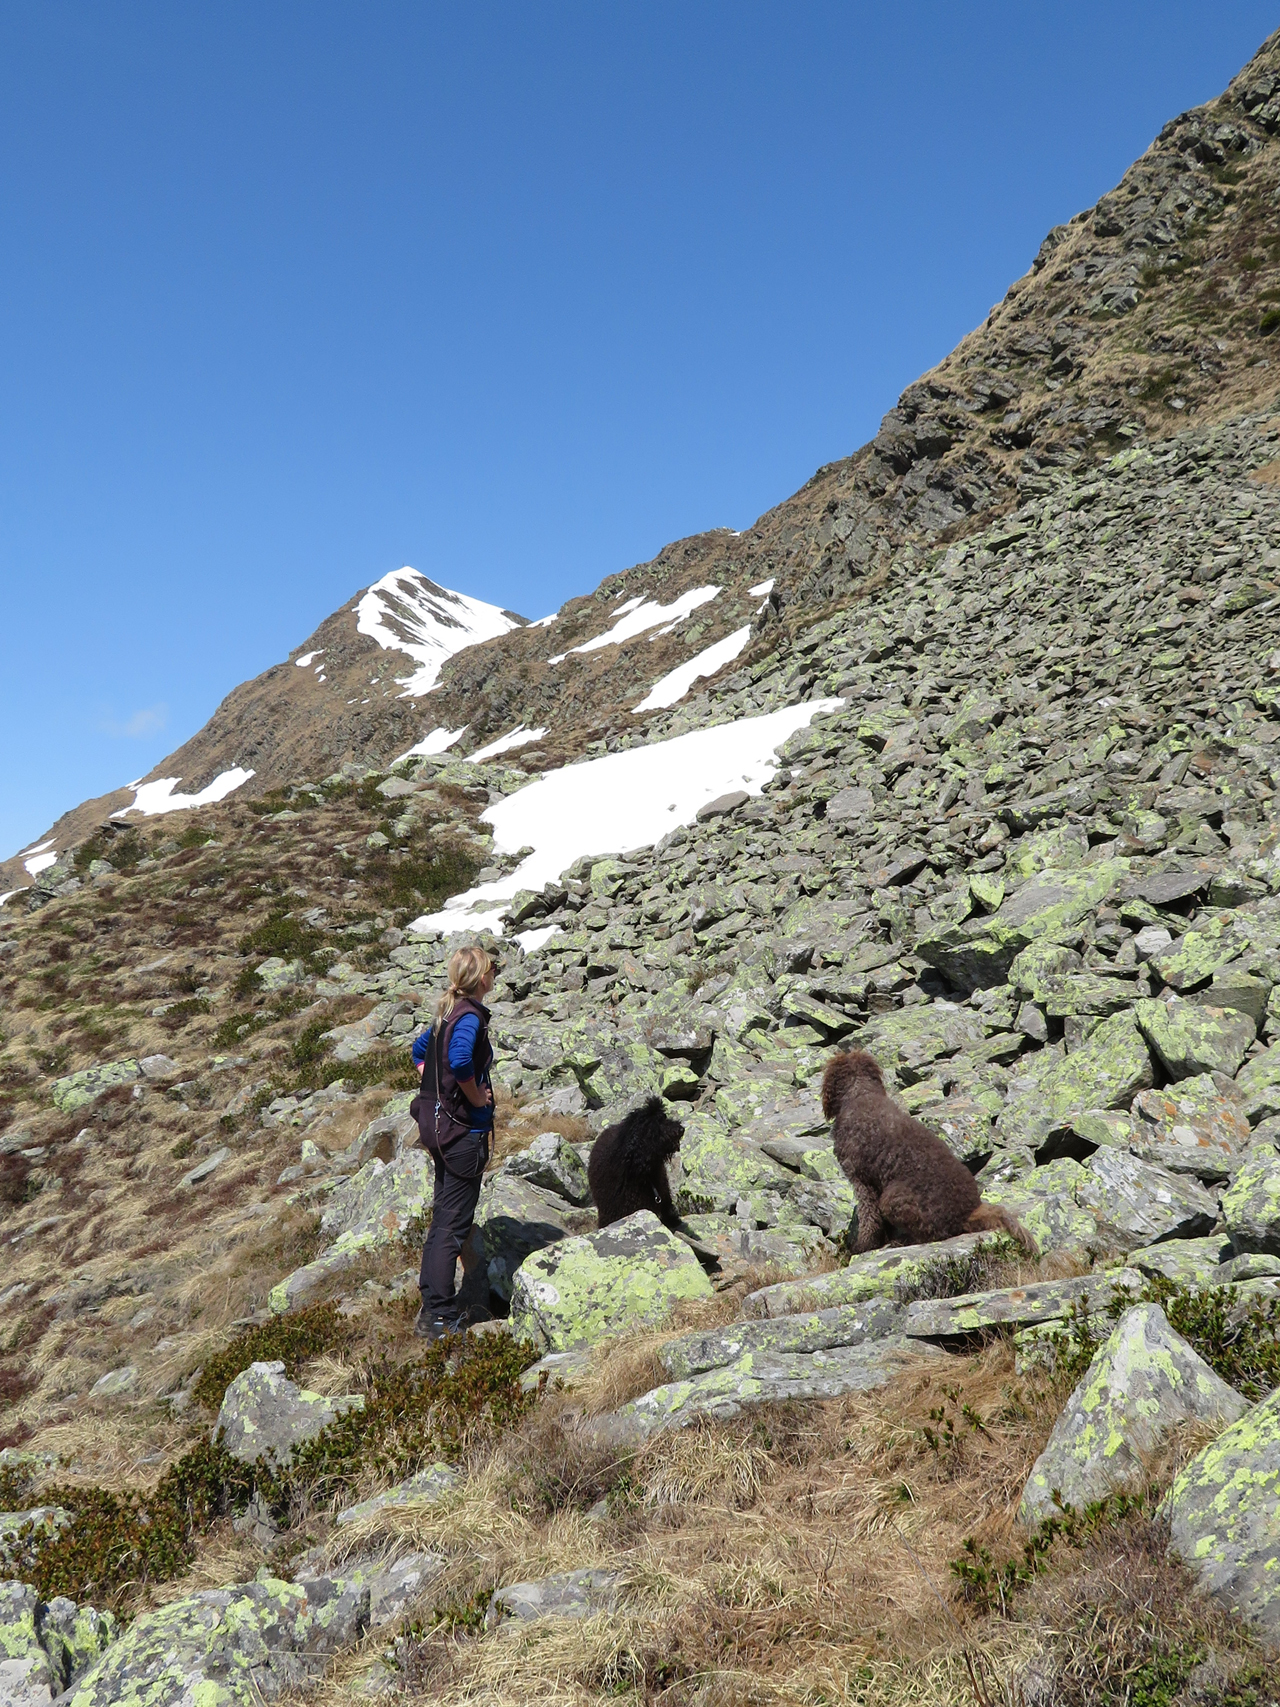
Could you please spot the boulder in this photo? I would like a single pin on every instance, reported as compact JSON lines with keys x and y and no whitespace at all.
{"x":514,"y":1217}
{"x":265,"y":1415}
{"x":46,"y":1647}
{"x":552,"y":1163}
{"x":391,"y":1586}
{"x":78,"y":1090}
{"x":1144,"y":1204}
{"x":1044,"y":1201}
{"x":1191,"y":1038}
{"x":1192,"y":1262}
{"x":1251,"y":1203}
{"x":20,"y":1531}
{"x":1013,"y":1306}
{"x":228,"y":1647}
{"x":1107,"y":1071}
{"x":719,"y":1167}
{"x":572,"y":1594}
{"x":1143,"y":1382}
{"x":817,"y":1330}
{"x":1224,"y":1515}
{"x":1191,"y":1127}
{"x":628,"y":1275}
{"x":900,"y":1272}
{"x":425,"y":1488}
{"x":762,"y":1377}
{"x":1259,"y":1085}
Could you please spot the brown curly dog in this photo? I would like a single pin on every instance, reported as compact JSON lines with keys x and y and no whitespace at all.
{"x":911,"y":1190}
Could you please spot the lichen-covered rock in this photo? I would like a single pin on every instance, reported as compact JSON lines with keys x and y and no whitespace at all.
{"x":571,"y":1594}
{"x":265,"y":1415}
{"x":901,"y":1272}
{"x":425,"y":1488}
{"x":1191,"y":1038}
{"x":760,"y":1377}
{"x":1107,"y":1071}
{"x":1044,"y":1201}
{"x":1224,"y":1516}
{"x":1251,"y":1203}
{"x":20,"y":1530}
{"x":719,"y":1167}
{"x":27,"y":1676}
{"x":1144,"y":1204}
{"x":630,"y":1274}
{"x":78,"y":1090}
{"x":1190,"y":1127}
{"x":1259,"y":1084}
{"x":552,"y":1163}
{"x":815,"y":1330}
{"x":515,"y":1217}
{"x":1192,"y":1262}
{"x":1013,"y":1306}
{"x":227,"y":1647}
{"x":1142,"y":1384}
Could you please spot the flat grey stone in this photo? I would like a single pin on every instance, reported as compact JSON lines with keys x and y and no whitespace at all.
{"x":1013,"y":1306}
{"x":1143,"y":1203}
{"x":210,"y":1165}
{"x":572,"y":1594}
{"x":159,"y":1067}
{"x":423,"y":1489}
{"x":113,"y":1382}
{"x":817,"y":1330}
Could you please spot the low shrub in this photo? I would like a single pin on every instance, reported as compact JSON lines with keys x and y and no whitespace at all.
{"x":292,"y":1340}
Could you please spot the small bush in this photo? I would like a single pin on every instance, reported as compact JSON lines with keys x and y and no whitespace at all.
{"x":1269,"y":322}
{"x":283,"y":935}
{"x":292,"y":1340}
{"x":419,"y":878}
{"x":1241,"y":1346}
{"x":991,"y":1587}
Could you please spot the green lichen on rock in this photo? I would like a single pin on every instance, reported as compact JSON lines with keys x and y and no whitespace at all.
{"x":582,"y":1290}
{"x":78,"y":1090}
{"x":1013,"y":1306}
{"x":1191,"y":1038}
{"x":1259,"y":1082}
{"x":1044,"y":1201}
{"x":902,"y":1272}
{"x":1251,"y":1204}
{"x":1107,"y":1071}
{"x":46,"y":1647}
{"x":1143,"y":1382}
{"x":227,"y":1647}
{"x":264,"y":1415}
{"x":1224,"y":1516}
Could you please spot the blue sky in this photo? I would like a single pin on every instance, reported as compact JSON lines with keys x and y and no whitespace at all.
{"x":293,"y":294}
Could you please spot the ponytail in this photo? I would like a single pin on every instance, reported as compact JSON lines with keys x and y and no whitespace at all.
{"x":468,"y":968}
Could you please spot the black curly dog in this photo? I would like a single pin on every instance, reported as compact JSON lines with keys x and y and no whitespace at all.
{"x":627,"y":1170}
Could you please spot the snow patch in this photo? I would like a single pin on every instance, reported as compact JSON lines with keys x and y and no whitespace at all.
{"x":623,"y":800}
{"x":546,"y":621}
{"x":639,"y":615}
{"x":435,"y":742}
{"x":10,"y":893}
{"x":40,"y":862}
{"x":306,"y":658}
{"x":558,"y":659}
{"x":405,"y":612}
{"x":155,"y":797}
{"x":761,"y":590}
{"x":519,"y":737}
{"x":677,"y":683}
{"x":532,"y":941}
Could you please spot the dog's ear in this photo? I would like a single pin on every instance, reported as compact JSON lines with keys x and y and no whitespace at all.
{"x":841,"y":1072}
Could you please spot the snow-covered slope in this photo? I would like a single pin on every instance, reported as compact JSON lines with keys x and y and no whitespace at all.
{"x":405,"y":612}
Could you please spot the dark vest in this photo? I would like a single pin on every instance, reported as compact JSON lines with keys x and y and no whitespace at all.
{"x":442,"y":1112}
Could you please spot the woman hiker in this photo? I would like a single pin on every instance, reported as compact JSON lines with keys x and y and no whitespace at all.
{"x":454,"y":1110}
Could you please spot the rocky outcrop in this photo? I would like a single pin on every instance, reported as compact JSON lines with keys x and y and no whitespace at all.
{"x":1223,"y":1512}
{"x":46,"y":1647}
{"x":1143,"y":1383}
{"x":264,"y":1415}
{"x":628,"y":1275}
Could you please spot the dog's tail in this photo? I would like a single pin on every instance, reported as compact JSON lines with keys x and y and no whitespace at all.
{"x":988,"y":1217}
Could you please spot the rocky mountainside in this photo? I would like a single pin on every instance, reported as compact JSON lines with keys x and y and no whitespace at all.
{"x":989,"y":788}
{"x":1156,"y":308}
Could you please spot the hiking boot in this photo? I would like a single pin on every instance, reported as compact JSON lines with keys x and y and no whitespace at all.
{"x":428,"y":1326}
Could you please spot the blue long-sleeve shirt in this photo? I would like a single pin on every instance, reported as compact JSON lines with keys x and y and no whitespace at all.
{"x":462,"y":1049}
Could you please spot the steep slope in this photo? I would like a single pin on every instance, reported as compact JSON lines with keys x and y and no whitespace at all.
{"x":997,"y":802}
{"x":1158,"y":306}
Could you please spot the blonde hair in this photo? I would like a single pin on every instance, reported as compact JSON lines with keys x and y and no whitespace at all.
{"x":468,"y":968}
